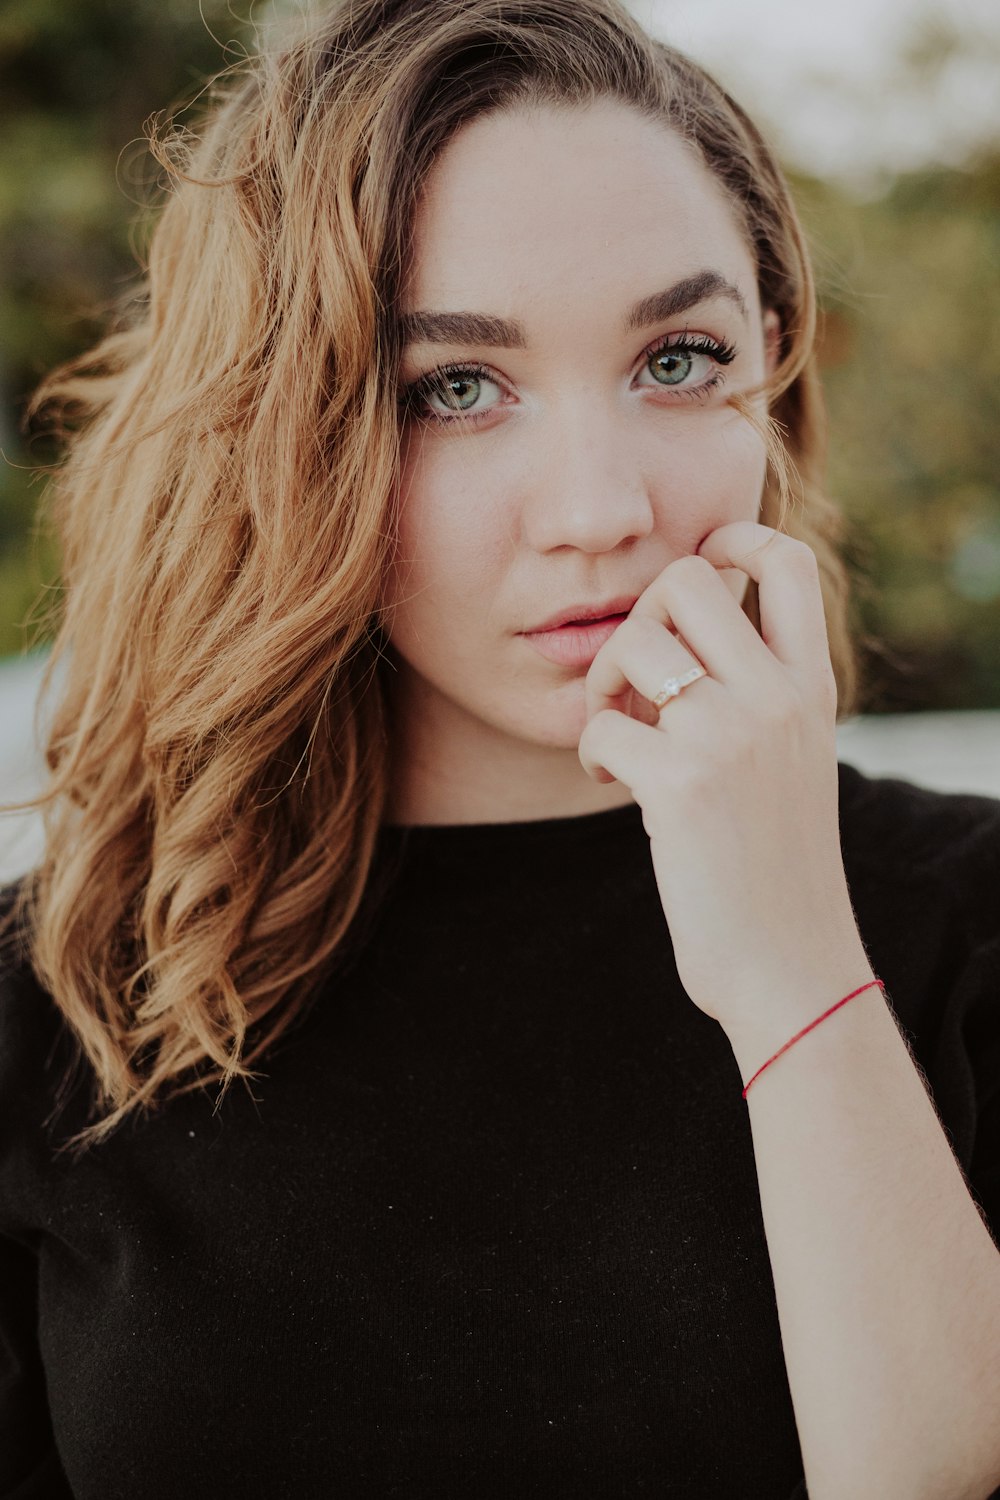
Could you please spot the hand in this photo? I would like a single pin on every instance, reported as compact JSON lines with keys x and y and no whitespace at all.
{"x":737,"y":779}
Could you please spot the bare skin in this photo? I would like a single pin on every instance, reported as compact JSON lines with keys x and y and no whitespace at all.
{"x":586,"y":472}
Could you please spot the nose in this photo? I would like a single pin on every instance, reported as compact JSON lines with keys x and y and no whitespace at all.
{"x":588,"y":490}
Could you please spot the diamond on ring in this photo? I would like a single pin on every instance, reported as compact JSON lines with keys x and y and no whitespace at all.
{"x":675,"y":685}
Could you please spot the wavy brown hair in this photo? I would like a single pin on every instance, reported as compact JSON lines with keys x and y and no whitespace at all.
{"x":219,"y":748}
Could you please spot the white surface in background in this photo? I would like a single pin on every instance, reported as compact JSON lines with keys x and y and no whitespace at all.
{"x":949,"y":752}
{"x":824,"y":79}
{"x":20,"y":763}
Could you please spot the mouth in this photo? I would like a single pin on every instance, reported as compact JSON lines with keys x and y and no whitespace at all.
{"x":581,"y":615}
{"x":613,"y":619}
{"x":576,"y":641}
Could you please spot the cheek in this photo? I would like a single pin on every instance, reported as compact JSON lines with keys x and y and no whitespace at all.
{"x":450,"y":545}
{"x":744,"y":456}
{"x":708,"y":476}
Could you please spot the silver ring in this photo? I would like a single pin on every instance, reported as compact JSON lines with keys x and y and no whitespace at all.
{"x":675,"y":685}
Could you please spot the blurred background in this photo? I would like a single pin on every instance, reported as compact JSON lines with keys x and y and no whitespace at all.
{"x":886,"y":114}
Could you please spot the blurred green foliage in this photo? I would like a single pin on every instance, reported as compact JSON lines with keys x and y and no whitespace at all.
{"x":78,"y":78}
{"x":908,"y":283}
{"x":910,"y":292}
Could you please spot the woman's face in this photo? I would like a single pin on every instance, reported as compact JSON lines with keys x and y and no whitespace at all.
{"x":566,"y":457}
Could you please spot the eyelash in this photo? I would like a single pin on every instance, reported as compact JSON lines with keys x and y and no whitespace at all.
{"x":722,"y":352}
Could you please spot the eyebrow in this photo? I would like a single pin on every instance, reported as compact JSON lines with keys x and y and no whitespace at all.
{"x":504,"y":333}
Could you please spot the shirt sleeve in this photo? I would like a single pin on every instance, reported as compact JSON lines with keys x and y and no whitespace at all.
{"x":964,"y":1071}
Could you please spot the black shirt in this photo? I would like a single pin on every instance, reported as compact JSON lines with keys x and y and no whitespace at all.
{"x":489,"y":1225}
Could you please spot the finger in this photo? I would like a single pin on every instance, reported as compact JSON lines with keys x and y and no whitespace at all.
{"x":616,"y":748}
{"x":641,"y":654}
{"x":704,"y":612}
{"x":792,"y":617}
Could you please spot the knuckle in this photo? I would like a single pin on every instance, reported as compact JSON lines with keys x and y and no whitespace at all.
{"x":607,"y":663}
{"x":632,"y":628}
{"x":801,"y":555}
{"x":599,"y":727}
{"x":690,"y":566}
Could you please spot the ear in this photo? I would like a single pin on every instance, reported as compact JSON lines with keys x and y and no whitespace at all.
{"x":772,"y":340}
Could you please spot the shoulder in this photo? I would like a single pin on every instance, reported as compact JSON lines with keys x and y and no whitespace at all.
{"x":923,"y":827}
{"x":944,"y":844}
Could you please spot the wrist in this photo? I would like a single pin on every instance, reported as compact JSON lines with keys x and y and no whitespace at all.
{"x":779,"y":1012}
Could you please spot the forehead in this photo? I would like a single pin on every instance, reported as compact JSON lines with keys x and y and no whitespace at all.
{"x":574,"y":201}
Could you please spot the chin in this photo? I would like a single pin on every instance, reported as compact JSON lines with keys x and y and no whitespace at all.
{"x":558,"y":720}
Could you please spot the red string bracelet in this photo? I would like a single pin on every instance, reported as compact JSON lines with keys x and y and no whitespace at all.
{"x":799,"y":1034}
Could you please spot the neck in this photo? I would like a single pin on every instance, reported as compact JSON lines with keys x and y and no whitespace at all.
{"x":449,"y":767}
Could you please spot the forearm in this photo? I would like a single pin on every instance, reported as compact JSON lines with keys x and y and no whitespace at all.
{"x":886,"y":1278}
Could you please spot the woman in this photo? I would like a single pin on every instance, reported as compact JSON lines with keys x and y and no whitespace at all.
{"x":454,"y":640}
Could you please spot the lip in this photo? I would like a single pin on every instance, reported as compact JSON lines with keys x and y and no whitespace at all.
{"x":573,"y":637}
{"x":578,"y":614}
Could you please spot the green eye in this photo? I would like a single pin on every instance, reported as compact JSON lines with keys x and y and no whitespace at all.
{"x":672,"y":366}
{"x":449,"y":392}
{"x":692,"y":364}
